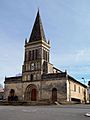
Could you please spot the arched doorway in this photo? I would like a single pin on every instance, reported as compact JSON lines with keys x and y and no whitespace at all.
{"x":30,"y":93}
{"x":33,"y":94}
{"x":54,"y":94}
{"x":12,"y":96}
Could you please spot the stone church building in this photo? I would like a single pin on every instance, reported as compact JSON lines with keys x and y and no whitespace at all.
{"x":40,"y":80}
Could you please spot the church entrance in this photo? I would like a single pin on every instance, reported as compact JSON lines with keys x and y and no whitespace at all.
{"x":54,"y":94}
{"x":34,"y":95}
{"x":30,"y":93}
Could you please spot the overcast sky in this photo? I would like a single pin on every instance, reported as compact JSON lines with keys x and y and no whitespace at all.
{"x":66,"y":24}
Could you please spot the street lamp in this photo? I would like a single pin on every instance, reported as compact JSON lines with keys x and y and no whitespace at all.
{"x":83,"y":80}
{"x":89,"y":90}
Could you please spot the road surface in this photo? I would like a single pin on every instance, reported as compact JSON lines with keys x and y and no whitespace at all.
{"x":57,"y":112}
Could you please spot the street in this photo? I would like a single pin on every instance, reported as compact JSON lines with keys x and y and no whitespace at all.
{"x":56,"y":112}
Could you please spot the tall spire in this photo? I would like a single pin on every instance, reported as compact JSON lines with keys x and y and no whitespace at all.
{"x":37,"y":31}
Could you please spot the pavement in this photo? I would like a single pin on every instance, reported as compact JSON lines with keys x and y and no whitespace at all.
{"x":54,"y":112}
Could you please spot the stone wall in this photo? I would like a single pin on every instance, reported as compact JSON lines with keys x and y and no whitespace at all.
{"x":44,"y":89}
{"x":47,"y":87}
{"x":63,"y":85}
{"x":16,"y":86}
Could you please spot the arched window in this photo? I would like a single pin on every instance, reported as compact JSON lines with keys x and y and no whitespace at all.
{"x":12,"y":92}
{"x":31,"y":77}
{"x":36,"y":54}
{"x":74,"y":88}
{"x":45,"y":67}
{"x":32,"y":54}
{"x":29,"y":55}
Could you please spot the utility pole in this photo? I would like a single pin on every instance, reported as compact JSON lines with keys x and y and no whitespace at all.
{"x":89,"y":90}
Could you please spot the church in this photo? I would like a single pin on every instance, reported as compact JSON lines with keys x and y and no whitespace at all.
{"x":40,"y":80}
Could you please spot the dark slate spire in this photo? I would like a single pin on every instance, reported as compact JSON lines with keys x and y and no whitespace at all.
{"x":37,"y":31}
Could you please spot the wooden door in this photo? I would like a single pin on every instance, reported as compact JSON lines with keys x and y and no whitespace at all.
{"x":34,"y":95}
{"x":54,"y":94}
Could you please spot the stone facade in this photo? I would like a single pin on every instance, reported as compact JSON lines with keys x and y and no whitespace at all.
{"x":76,"y":91}
{"x":40,"y":80}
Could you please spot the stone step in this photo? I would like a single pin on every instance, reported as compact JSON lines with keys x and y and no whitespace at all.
{"x":33,"y":103}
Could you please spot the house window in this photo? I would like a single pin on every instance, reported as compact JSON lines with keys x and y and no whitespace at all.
{"x":82,"y":90}
{"x":74,"y":88}
{"x":79,"y":89}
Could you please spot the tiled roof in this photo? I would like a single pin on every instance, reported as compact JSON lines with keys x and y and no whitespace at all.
{"x":16,"y":79}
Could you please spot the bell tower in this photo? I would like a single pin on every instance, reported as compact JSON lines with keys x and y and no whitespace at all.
{"x":37,"y":50}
